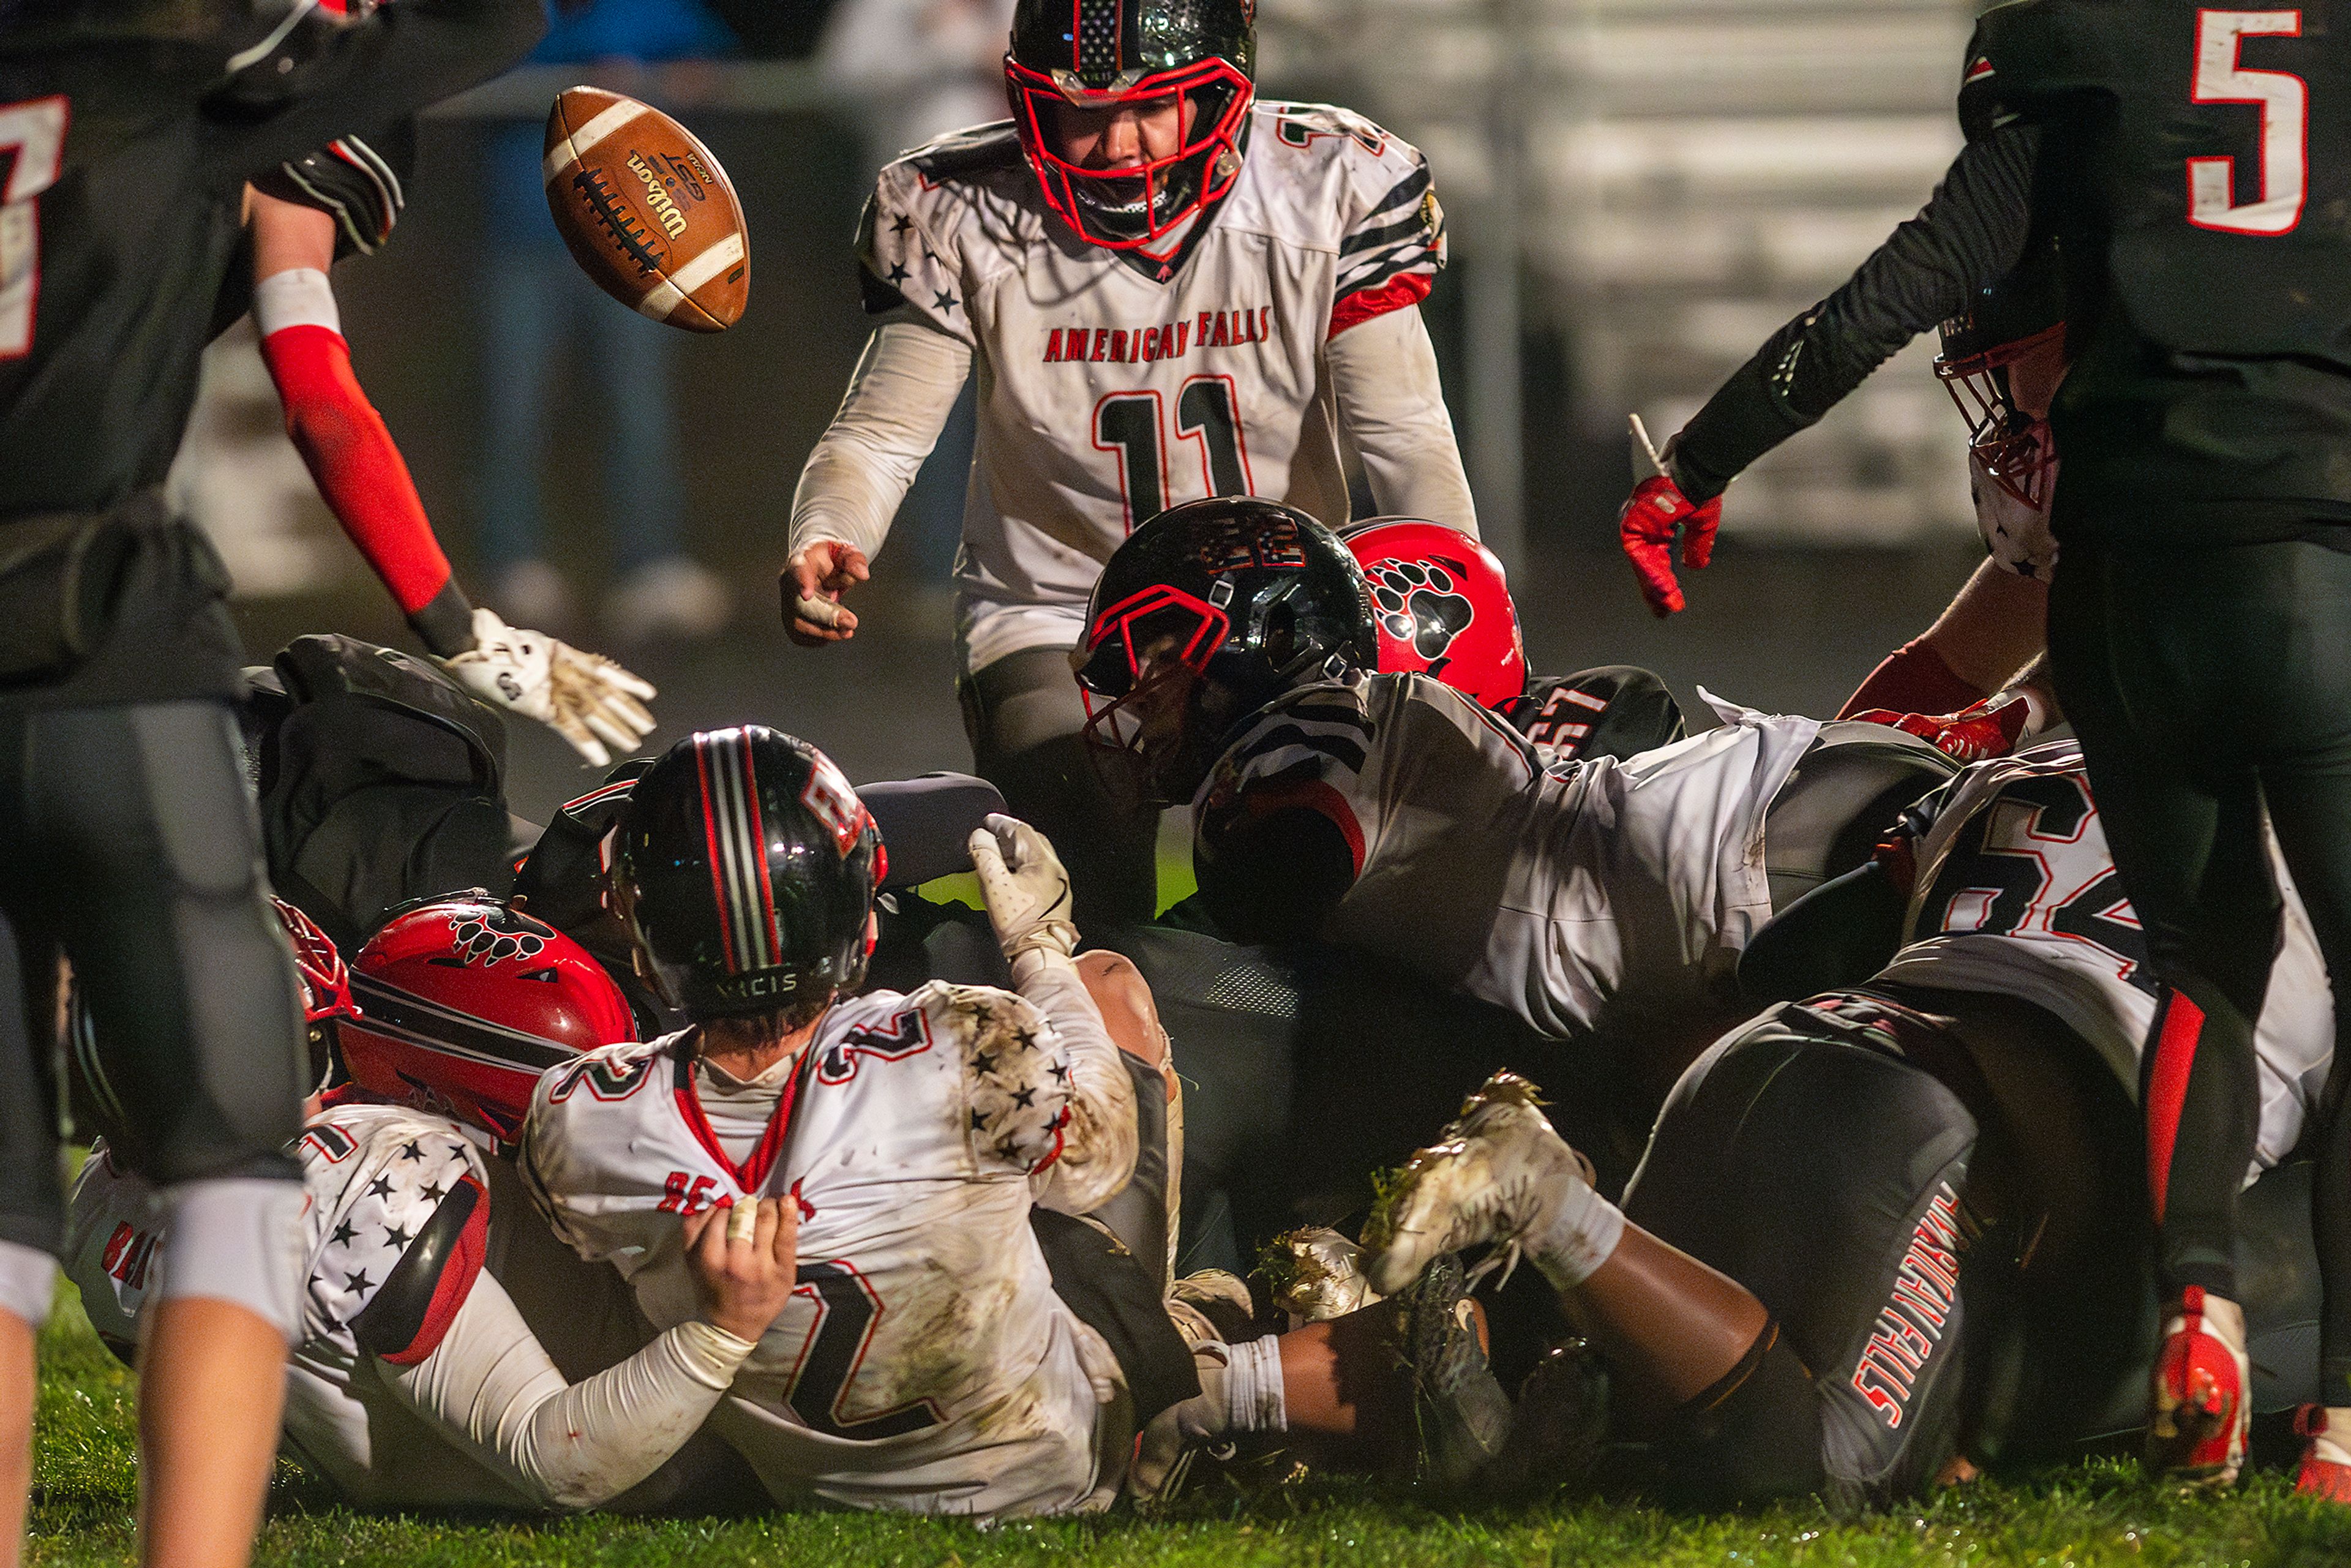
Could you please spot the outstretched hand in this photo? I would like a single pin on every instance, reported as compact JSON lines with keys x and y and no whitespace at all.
{"x":812,"y":581}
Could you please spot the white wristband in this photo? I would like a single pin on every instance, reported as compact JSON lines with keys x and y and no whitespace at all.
{"x":298,"y":298}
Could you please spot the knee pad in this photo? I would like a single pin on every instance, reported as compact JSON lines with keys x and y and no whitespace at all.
{"x":1755,"y":1435}
{"x":241,"y":1242}
{"x":29,"y":1282}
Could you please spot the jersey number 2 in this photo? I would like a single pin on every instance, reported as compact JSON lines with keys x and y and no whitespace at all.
{"x":1134,"y":426}
{"x":34,"y":132}
{"x":2284,"y":99}
{"x":847,"y":1312}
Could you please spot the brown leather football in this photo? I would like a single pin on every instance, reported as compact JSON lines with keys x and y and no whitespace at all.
{"x":647,"y":211}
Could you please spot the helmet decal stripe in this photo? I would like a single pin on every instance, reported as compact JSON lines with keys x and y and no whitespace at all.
{"x":764,"y":918}
{"x":738,"y":854}
{"x":702,"y":746}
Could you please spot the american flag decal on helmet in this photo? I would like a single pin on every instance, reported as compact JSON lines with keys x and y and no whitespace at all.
{"x":739,"y":850}
{"x":1094,"y":41}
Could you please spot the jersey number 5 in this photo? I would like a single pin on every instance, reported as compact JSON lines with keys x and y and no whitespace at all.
{"x":34,"y":132}
{"x":1134,"y":426}
{"x":2284,"y":99}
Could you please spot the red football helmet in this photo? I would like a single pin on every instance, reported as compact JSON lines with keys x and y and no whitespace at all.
{"x":1443,"y":606}
{"x":466,"y":1002}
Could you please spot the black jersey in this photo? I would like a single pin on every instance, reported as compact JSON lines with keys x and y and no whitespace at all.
{"x":128,"y":130}
{"x":2196,"y":165}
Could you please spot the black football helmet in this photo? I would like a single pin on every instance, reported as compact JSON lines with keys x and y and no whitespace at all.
{"x":1208,"y":612}
{"x":1101,"y":54}
{"x":2022,"y":313}
{"x":745,"y":868}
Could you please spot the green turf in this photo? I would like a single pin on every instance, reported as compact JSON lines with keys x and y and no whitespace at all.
{"x":2096,"y":1514}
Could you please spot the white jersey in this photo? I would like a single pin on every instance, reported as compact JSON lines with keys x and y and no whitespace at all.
{"x":377,"y":1176}
{"x":1112,"y":386}
{"x":1577,"y":894}
{"x":2017,"y":893}
{"x":924,"y":1362}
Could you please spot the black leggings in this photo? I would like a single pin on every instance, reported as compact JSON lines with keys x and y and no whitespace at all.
{"x":134,"y":850}
{"x":2208,"y":684}
{"x":1025,"y":717}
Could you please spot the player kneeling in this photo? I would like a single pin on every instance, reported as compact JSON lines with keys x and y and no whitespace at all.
{"x":436,"y":1308}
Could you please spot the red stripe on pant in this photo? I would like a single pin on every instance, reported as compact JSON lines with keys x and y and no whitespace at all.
{"x":2177,"y":1032}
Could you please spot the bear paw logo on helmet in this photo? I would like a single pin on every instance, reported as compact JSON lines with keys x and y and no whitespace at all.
{"x":1418,"y":603}
{"x":501,"y":934}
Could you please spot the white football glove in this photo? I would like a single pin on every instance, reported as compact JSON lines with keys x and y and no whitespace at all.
{"x":1025,"y":889}
{"x":586,"y":698}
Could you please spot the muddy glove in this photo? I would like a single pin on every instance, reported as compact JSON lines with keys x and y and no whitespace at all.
{"x":1026,"y":891}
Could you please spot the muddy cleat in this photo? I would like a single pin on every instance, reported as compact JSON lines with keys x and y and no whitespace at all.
{"x":1495,"y":1174}
{"x":2325,"y":1458}
{"x":1222,"y":1298}
{"x":1315,"y":1275}
{"x":2197,"y":1414}
{"x":1458,"y":1407}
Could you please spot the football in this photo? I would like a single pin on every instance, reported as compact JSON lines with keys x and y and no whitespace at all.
{"x":646,"y":210}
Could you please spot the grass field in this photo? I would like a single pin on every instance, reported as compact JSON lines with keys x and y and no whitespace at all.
{"x":2096,"y":1514}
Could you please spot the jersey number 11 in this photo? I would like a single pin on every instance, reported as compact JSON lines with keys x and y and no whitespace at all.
{"x":1134,"y":426}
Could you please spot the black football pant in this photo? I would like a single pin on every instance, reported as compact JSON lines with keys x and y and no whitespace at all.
{"x":1025,"y":718}
{"x":132,"y":850}
{"x":2207,"y":685}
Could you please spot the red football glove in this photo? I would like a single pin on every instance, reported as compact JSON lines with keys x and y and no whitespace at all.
{"x":1992,"y":728}
{"x":1646,"y":527}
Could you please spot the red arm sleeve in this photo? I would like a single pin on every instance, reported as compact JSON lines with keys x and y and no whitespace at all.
{"x":1913,"y":679}
{"x":358,"y":469}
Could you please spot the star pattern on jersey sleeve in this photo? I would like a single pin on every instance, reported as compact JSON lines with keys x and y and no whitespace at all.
{"x":899,"y":253}
{"x":390,"y":1193}
{"x":1015,"y":1078}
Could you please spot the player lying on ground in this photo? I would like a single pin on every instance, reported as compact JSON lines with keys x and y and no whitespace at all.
{"x":1168,"y":290}
{"x":1228,"y":657}
{"x":437,"y":1309}
{"x":301,"y":218}
{"x":1785,"y":1323}
{"x":933,"y":1362}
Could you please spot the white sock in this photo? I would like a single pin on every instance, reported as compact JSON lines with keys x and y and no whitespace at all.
{"x":1254,"y":1397}
{"x":1578,"y":1234}
{"x":29,"y":1282}
{"x":243,"y":1241}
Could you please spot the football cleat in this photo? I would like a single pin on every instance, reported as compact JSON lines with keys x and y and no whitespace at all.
{"x":2325,"y":1460}
{"x":1163,"y":1450}
{"x":1315,"y":1274}
{"x":2197,"y":1413}
{"x":1491,"y":1178}
{"x":1459,"y":1411}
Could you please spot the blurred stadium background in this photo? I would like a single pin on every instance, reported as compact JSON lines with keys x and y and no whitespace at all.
{"x":1639,"y":190}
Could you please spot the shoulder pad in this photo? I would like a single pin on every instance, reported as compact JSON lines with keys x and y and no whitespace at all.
{"x":405,"y":1320}
{"x":360,"y":182}
{"x":1016,"y":1073}
{"x":2018,"y":55}
{"x":906,"y":251}
{"x":982,"y":150}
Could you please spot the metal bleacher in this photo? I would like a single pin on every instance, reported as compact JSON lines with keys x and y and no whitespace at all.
{"x":1685,"y":175}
